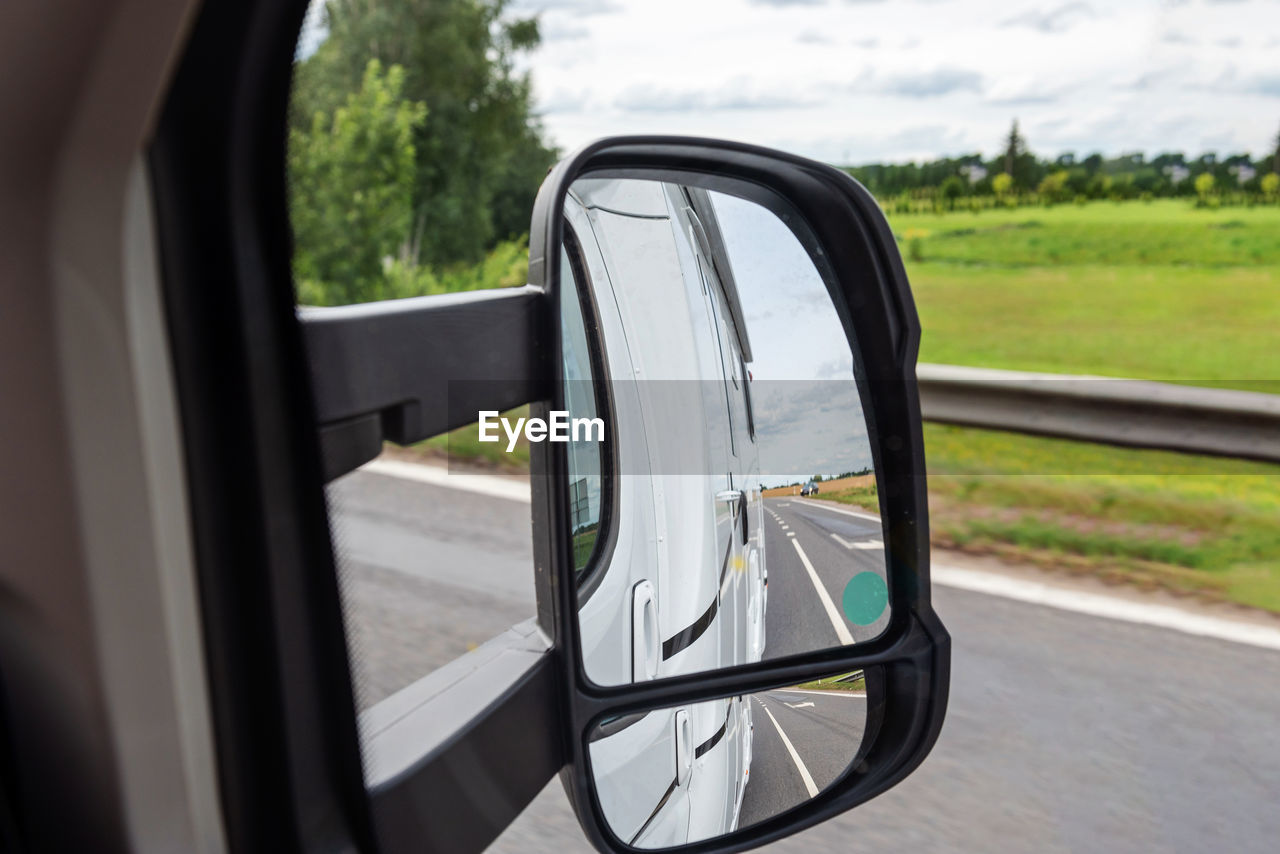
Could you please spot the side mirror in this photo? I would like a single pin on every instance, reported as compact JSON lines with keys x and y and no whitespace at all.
{"x":746,"y":651}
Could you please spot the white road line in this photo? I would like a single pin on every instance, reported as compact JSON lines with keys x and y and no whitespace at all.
{"x":842,"y":631}
{"x":1108,"y":607}
{"x":863,"y":545}
{"x":827,"y":506}
{"x":484,"y":484}
{"x":791,"y":533}
{"x":795,"y":757}
{"x":808,"y":704}
{"x":857,"y":695}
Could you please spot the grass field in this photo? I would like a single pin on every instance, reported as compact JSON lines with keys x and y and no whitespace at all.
{"x":1156,"y":290}
{"x":1189,"y":525}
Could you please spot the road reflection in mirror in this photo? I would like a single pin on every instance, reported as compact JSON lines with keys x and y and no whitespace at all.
{"x":689,"y":773}
{"x":734,"y":516}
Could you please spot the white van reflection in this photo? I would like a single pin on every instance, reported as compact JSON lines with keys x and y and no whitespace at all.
{"x":651,"y":255}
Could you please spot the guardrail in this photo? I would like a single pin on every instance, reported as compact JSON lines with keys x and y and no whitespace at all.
{"x":1135,"y":413}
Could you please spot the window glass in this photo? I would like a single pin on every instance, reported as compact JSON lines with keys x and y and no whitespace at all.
{"x":580,"y":404}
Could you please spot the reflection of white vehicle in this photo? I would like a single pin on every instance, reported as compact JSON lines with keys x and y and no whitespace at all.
{"x":652,"y":256}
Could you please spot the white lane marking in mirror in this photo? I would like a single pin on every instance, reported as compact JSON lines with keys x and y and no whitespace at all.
{"x":484,"y":484}
{"x":862,"y":545}
{"x":842,"y":631}
{"x":1108,"y":607}
{"x":856,"y":695}
{"x":795,"y":757}
{"x":826,"y":506}
{"x":806,"y":704}
{"x":791,"y":533}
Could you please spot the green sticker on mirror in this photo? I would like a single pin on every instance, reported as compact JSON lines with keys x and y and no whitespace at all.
{"x":865,"y":598}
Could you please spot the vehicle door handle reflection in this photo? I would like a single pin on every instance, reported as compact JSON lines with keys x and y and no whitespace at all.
{"x":730,"y":495}
{"x":738,"y":498}
{"x":646,"y":647}
{"x":684,"y":747}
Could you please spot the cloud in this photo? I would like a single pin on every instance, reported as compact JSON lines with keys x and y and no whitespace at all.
{"x":928,"y":84}
{"x":1149,"y":80}
{"x":1174,"y":37}
{"x":1264,"y":84}
{"x":557,"y":30}
{"x":1232,"y":42}
{"x":579,"y":8}
{"x":1025,"y":94}
{"x":789,"y":2}
{"x":735,"y":95}
{"x":564,"y":101}
{"x":868,"y":43}
{"x":814,"y":37}
{"x":1056,"y":20}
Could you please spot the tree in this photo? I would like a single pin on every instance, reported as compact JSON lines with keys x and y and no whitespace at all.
{"x":1054,"y":187}
{"x":1002,"y":184}
{"x":1270,"y":185}
{"x":479,"y":154}
{"x":1275,"y":158}
{"x":952,"y":188}
{"x":1014,"y":146}
{"x":1204,"y":185}
{"x":351,"y":184}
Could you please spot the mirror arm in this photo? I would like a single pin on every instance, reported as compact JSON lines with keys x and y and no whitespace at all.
{"x":443,"y":746}
{"x":408,"y":369}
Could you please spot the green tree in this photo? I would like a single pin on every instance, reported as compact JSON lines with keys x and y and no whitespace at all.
{"x":351,"y":174}
{"x":952,"y":188}
{"x":1014,"y":146}
{"x":1270,"y":185}
{"x":1204,"y":185}
{"x":479,"y":155}
{"x":1002,"y":184}
{"x":1055,"y":187}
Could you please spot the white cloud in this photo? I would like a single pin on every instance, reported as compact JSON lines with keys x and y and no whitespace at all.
{"x":894,"y":81}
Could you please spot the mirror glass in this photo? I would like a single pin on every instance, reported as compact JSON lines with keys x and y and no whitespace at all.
{"x":723,"y":498}
{"x":689,"y":773}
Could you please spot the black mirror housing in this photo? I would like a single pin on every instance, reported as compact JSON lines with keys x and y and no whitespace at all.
{"x":907,"y":667}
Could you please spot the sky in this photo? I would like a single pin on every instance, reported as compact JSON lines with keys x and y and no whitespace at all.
{"x":808,"y":416}
{"x":857,"y":81}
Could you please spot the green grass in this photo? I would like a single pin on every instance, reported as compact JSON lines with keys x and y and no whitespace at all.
{"x":1192,"y":525}
{"x":463,"y":445}
{"x":1156,"y":291}
{"x":835,"y":683}
{"x":1187,"y":524}
{"x":1165,"y":233}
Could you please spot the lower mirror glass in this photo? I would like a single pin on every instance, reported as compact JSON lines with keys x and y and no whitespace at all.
{"x":690,"y":773}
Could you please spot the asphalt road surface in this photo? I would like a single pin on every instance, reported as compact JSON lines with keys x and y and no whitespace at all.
{"x":1065,"y":732}
{"x":823,"y":730}
{"x":839,"y":542}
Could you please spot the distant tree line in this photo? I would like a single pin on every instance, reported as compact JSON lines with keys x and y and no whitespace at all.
{"x":1016,"y":175}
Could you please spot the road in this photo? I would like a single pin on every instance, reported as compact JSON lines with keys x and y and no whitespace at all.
{"x":823,"y":728}
{"x":1065,"y":732}
{"x":839,"y":542}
